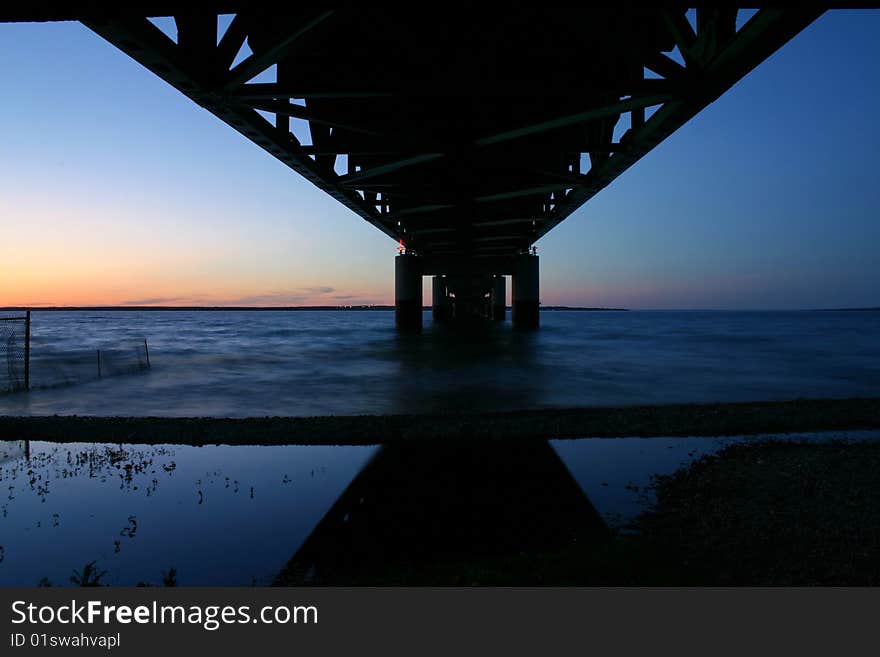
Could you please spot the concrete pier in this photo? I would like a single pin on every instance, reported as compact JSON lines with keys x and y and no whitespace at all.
{"x":408,"y":292}
{"x":441,"y":303}
{"x":526,"y":292}
{"x":498,"y":301}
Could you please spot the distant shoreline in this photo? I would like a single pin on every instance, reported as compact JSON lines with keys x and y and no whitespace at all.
{"x":843,"y":310}
{"x":249,"y":308}
{"x":386,"y":308}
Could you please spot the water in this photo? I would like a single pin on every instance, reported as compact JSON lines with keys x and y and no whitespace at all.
{"x":218,"y":515}
{"x":224,"y":515}
{"x":238,"y":515}
{"x":261,"y":363}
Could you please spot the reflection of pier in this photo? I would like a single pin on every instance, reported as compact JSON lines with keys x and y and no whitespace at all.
{"x":418,"y":503}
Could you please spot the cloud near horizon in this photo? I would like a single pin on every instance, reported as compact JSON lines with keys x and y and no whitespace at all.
{"x":313,"y":295}
{"x":155,"y":301}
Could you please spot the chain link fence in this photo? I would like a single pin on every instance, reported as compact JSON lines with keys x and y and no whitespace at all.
{"x":14,"y":353}
{"x":47,"y":366}
{"x":123,"y":358}
{"x":52,"y":367}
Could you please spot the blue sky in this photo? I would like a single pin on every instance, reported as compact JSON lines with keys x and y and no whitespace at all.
{"x":115,"y":188}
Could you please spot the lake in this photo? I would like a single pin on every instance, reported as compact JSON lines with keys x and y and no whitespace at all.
{"x":259,"y":363}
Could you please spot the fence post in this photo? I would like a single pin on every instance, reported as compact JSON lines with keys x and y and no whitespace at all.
{"x":27,"y":351}
{"x":99,"y":363}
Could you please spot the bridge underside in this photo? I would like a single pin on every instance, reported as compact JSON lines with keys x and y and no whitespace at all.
{"x":465,"y":135}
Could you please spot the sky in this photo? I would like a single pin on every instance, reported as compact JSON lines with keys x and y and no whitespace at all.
{"x":117,"y":189}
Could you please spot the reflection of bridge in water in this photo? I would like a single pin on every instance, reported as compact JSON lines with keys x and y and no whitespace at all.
{"x":423,"y":504}
{"x":464,"y":136}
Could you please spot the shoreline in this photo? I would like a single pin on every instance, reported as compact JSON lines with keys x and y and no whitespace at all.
{"x":713,"y":419}
{"x":352,"y":308}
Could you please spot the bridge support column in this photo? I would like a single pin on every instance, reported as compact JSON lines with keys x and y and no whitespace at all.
{"x":441,"y":304}
{"x":525,"y":292}
{"x":498,"y":298}
{"x":408,"y":292}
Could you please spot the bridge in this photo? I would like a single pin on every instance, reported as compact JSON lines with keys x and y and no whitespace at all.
{"x":463,"y":134}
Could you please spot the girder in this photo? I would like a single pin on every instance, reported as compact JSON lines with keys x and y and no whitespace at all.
{"x":466,"y":136}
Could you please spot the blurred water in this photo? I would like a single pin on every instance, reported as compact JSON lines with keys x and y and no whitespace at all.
{"x":258,"y":363}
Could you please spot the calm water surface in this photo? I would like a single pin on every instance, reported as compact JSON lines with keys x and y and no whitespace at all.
{"x":223,"y":515}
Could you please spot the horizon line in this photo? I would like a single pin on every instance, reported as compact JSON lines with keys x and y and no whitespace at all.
{"x":550,"y":307}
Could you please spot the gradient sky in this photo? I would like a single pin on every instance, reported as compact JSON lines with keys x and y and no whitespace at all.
{"x":117,"y":189}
